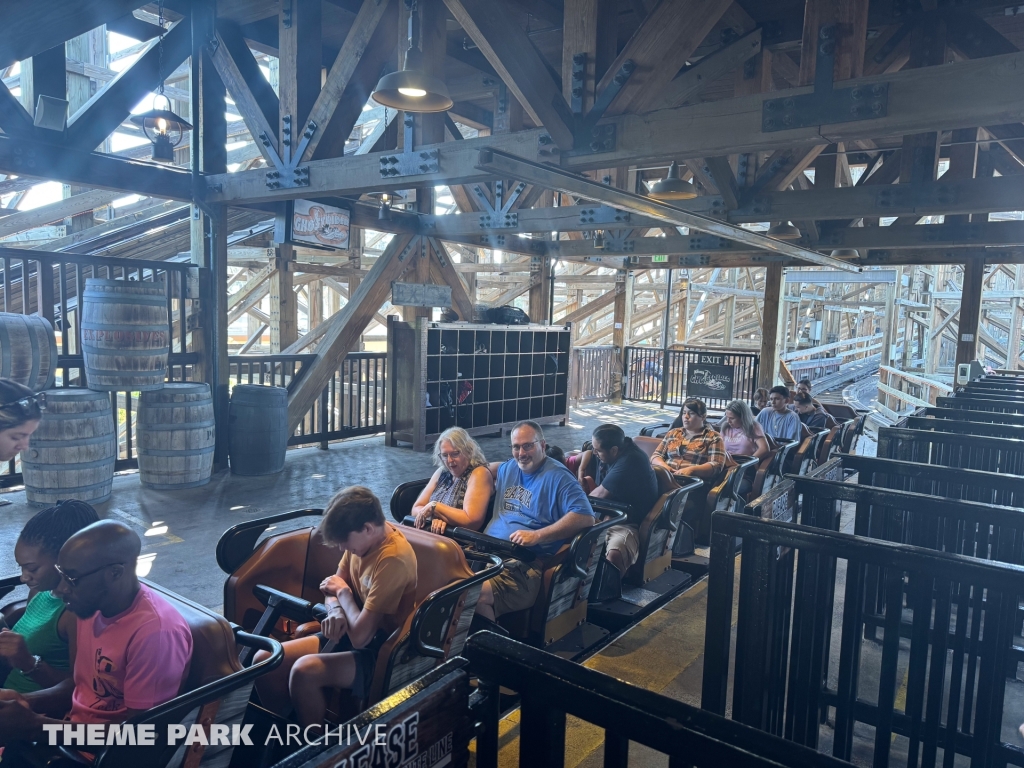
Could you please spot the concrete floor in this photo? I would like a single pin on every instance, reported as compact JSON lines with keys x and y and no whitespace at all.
{"x":180,"y":529}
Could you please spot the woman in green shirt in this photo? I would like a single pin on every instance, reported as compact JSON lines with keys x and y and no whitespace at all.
{"x":35,"y":653}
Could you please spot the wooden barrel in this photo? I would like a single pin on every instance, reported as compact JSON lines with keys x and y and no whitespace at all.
{"x":259,"y":429}
{"x":175,"y":435}
{"x":28,"y":350}
{"x":125,"y":335}
{"x":71,"y":455}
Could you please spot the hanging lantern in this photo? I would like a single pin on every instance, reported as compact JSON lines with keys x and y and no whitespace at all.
{"x":785,"y":231}
{"x":163,"y":128}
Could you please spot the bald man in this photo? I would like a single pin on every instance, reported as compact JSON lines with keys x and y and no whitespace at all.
{"x":133,"y":647}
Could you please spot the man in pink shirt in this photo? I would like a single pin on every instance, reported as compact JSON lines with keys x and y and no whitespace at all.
{"x":133,"y":647}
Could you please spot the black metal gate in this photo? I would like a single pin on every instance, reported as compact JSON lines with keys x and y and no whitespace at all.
{"x":660,"y":375}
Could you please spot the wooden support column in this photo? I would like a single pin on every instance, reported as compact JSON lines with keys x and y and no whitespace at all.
{"x":45,"y":74}
{"x":315,"y":290}
{"x":890,"y":323}
{"x":209,"y":231}
{"x":284,"y":309}
{"x":1013,"y":344}
{"x":419,"y":273}
{"x":773,"y":324}
{"x":970,"y":312}
{"x":90,"y":48}
{"x":579,"y":37}
{"x":299,"y":77}
{"x":622,"y":321}
{"x":540,"y":288}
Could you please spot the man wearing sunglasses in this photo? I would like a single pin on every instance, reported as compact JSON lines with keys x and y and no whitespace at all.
{"x":133,"y":647}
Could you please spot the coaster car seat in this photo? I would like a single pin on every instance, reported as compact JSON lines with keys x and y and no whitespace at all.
{"x":276,"y":588}
{"x":214,"y":685}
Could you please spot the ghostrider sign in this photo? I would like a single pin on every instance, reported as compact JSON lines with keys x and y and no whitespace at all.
{"x":320,"y":225}
{"x":710,"y":377}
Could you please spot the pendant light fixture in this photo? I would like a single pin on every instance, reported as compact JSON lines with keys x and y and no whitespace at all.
{"x":412,"y":89}
{"x":672,"y":187}
{"x":386,"y":201}
{"x":785,"y":231}
{"x":162,"y":127}
{"x":845,"y":253}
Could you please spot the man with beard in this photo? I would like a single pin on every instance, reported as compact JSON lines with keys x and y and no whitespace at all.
{"x":133,"y":647}
{"x":538,"y":505}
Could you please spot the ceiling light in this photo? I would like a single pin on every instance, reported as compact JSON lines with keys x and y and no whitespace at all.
{"x":785,"y":231}
{"x":412,"y":89}
{"x":845,"y":253}
{"x":672,"y":187}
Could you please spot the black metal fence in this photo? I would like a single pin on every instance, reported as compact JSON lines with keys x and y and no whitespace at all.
{"x":352,"y":403}
{"x":592,"y":373}
{"x":670,"y":376}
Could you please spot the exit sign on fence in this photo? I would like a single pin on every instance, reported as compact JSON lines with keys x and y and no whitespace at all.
{"x":659,"y":259}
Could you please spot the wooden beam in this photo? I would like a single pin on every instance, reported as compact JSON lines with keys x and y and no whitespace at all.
{"x":342,"y":331}
{"x":579,"y":36}
{"x":29,"y":28}
{"x":56,"y":211}
{"x":112,"y":104}
{"x":444,"y":273}
{"x":970,"y":312}
{"x":344,"y":68}
{"x":659,"y":48}
{"x":693,"y":80}
{"x":502,"y":40}
{"x":725,"y":180}
{"x":959,"y":95}
{"x":299,"y":39}
{"x":603,"y":301}
{"x":773,"y":325}
{"x":511,"y":166}
{"x":261,"y":125}
{"x":58,"y":163}
{"x":14,"y":118}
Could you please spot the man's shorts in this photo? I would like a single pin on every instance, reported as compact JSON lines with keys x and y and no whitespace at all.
{"x":516,"y":588}
{"x":626,"y":539}
{"x":365,"y":658}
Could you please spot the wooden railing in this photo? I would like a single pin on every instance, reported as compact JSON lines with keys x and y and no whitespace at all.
{"x":900,"y":392}
{"x":592,"y":373}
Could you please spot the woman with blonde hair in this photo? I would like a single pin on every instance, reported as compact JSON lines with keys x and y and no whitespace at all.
{"x":459,"y":492}
{"x":742,"y":434}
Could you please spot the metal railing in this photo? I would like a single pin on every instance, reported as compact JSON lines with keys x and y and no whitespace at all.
{"x":900,"y":393}
{"x":592,"y":373}
{"x":352,"y":403}
{"x":667,"y":376}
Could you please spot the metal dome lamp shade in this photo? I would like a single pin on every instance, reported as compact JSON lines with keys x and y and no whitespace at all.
{"x":672,"y":187}
{"x":785,"y":231}
{"x":412,"y":89}
{"x":163,"y":128}
{"x":845,"y":253}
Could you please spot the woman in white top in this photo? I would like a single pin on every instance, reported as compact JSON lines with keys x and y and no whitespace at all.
{"x":742,"y":434}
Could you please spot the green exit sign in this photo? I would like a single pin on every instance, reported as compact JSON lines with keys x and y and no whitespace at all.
{"x":659,"y":259}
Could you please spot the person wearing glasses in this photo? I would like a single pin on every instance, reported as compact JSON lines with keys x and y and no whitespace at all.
{"x":539,"y":505}
{"x":35,"y":653}
{"x":132,"y":647}
{"x":459,"y":492}
{"x":20,"y":412}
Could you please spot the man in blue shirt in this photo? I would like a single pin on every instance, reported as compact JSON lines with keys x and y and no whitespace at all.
{"x":777,"y":420}
{"x":539,"y":505}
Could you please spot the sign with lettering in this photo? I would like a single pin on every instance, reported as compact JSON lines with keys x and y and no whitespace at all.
{"x":710,"y":377}
{"x":320,"y":225}
{"x":421,"y":295}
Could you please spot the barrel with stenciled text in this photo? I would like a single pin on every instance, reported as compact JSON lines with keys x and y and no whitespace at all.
{"x":125,"y":335}
{"x":175,"y":436}
{"x":72,"y":453}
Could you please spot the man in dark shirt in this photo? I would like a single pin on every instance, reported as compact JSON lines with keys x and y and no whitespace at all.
{"x":804,"y":406}
{"x":623,"y":473}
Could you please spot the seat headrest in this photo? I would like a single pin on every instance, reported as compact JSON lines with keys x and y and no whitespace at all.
{"x":647,"y":444}
{"x":214,"y":654}
{"x":321,"y":561}
{"x":439,"y":561}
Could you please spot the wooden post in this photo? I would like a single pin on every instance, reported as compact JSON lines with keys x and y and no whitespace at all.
{"x":773,"y":322}
{"x":284,"y":311}
{"x":1013,"y":344}
{"x":622,"y":317}
{"x":421,"y":274}
{"x":579,"y":37}
{"x":315,"y":303}
{"x":970,"y":312}
{"x":209,"y":243}
{"x":90,"y":48}
{"x":540,"y":288}
{"x":891,"y":321}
